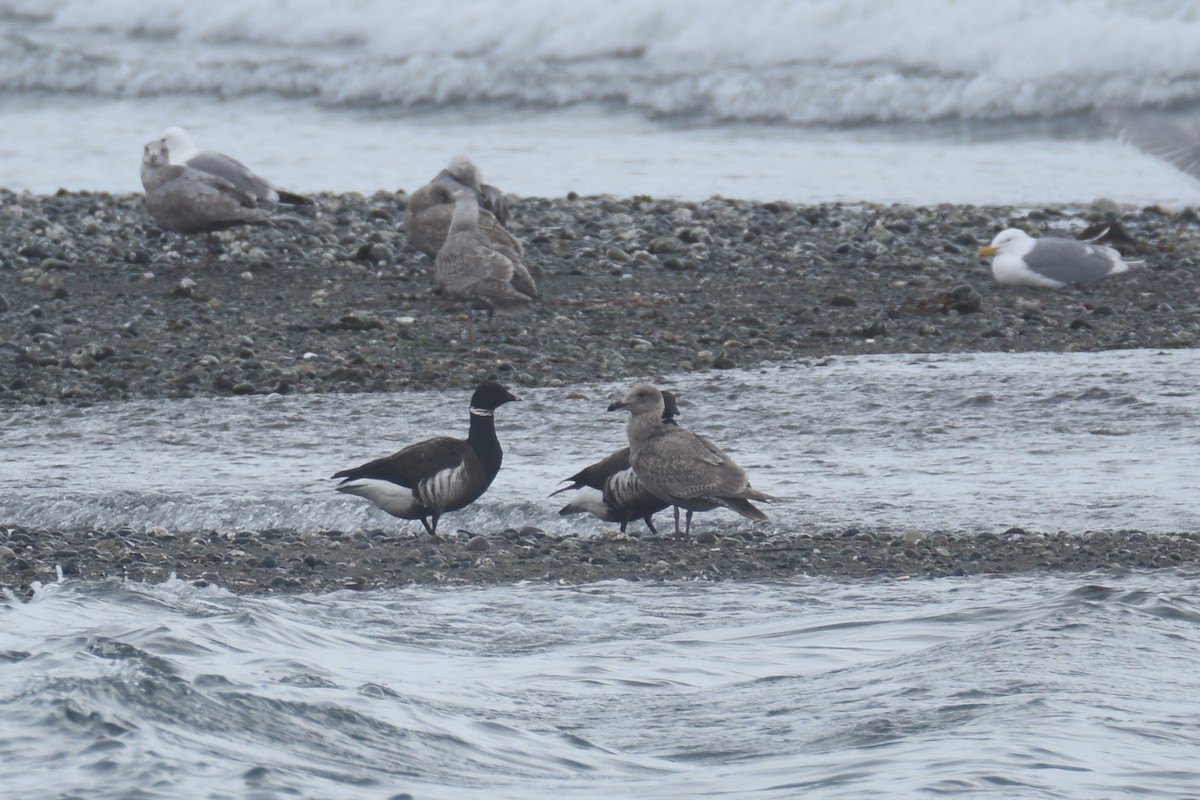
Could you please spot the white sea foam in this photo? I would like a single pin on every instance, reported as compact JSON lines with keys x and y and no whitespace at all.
{"x":822,"y":61}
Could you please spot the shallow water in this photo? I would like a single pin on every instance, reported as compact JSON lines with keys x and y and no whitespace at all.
{"x":1039,"y":686}
{"x":1034,"y":686}
{"x":953,"y":442}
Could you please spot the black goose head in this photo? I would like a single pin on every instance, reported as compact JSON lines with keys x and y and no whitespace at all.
{"x":490,"y":395}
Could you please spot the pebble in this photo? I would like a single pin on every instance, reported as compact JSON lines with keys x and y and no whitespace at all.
{"x":779,"y":259}
{"x":807,"y":283}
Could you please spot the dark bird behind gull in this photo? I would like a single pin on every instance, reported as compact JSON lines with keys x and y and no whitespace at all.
{"x":187,"y":201}
{"x":430,"y":208}
{"x":611,"y":491}
{"x":472,"y":268}
{"x":427,"y":479}
{"x":1051,"y":262}
{"x":184,"y":153}
{"x":681,"y":467}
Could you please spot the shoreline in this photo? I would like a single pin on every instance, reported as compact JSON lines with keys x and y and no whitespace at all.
{"x":287,"y":562}
{"x":96,"y":305}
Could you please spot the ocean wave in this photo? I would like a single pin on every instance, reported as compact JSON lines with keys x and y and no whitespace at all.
{"x":815,"y":62}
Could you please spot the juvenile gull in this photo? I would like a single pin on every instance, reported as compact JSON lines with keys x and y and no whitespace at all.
{"x":680,"y":467}
{"x":611,"y":491}
{"x":1050,"y":263}
{"x":472,"y":267}
{"x":184,"y":152}
{"x":427,"y":479}
{"x":427,"y":218}
{"x":186,"y":201}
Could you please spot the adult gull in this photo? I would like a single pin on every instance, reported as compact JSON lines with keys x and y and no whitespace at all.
{"x":1051,"y":262}
{"x":184,"y":152}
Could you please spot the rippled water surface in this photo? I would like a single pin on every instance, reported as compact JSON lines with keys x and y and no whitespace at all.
{"x":965,"y":442}
{"x":1042,"y":686}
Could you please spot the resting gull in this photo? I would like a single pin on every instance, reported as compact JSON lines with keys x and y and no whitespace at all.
{"x":1052,"y":262}
{"x":427,"y":219}
{"x":186,"y":201}
{"x":474,"y":268}
{"x":611,"y":491}
{"x":184,"y":152}
{"x":429,"y":478}
{"x":683,"y":468}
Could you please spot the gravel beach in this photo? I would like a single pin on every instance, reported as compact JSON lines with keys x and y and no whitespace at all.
{"x":97,"y":304}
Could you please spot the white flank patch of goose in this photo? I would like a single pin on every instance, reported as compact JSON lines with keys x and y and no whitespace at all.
{"x":429,"y":478}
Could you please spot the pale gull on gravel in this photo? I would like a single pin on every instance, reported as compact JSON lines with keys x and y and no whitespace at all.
{"x":1051,"y":262}
{"x":184,"y":152}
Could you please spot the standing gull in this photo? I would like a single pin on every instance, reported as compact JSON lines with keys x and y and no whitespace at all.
{"x":184,"y":152}
{"x":1050,"y":263}
{"x":427,"y":479}
{"x":427,"y":219}
{"x":683,"y":468}
{"x":474,"y":268}
{"x":187,"y":201}
{"x":611,"y":491}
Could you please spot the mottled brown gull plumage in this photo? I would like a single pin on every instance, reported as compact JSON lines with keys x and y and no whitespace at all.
{"x":611,"y":491}
{"x":187,"y":201}
{"x":472,"y":268}
{"x":683,"y":468}
{"x":430,"y":208}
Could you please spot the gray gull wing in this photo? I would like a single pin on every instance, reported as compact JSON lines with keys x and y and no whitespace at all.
{"x":1072,"y":261}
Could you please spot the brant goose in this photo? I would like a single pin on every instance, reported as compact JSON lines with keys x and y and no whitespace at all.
{"x":429,"y":478}
{"x":1050,"y":263}
{"x":473,"y":268}
{"x":186,"y":200}
{"x":682,"y":468}
{"x":183,"y":152}
{"x":611,"y":491}
{"x":427,"y":218}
